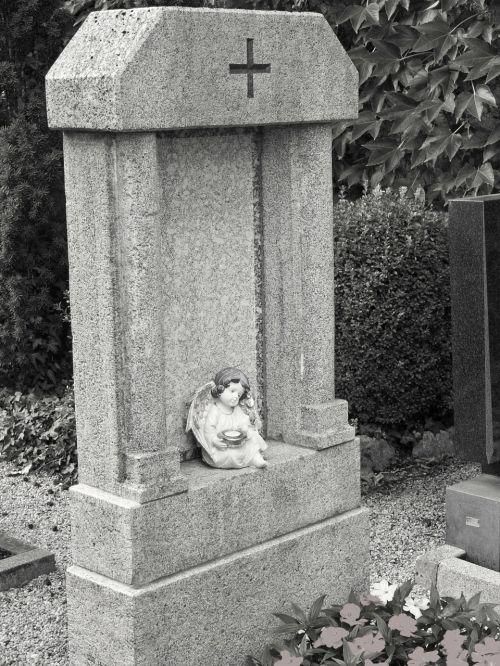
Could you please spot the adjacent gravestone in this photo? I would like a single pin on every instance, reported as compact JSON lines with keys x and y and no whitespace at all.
{"x":473,"y":506}
{"x":197,"y":150}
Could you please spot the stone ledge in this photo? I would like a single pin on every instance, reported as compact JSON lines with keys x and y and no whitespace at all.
{"x":223,"y":511}
{"x":25,"y":563}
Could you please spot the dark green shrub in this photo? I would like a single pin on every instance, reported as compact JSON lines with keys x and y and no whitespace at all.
{"x":37,"y":432}
{"x":34,"y":339}
{"x":393,"y":320}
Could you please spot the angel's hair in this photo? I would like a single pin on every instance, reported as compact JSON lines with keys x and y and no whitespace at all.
{"x":229,"y":376}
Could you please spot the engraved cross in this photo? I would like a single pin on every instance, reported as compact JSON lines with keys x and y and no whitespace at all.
{"x":249,"y":68}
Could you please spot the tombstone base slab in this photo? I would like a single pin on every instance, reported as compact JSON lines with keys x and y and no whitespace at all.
{"x":216,"y":613}
{"x":453,"y":575}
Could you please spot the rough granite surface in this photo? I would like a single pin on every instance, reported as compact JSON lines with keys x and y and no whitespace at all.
{"x":216,"y":613}
{"x":207,"y":258}
{"x":168,"y":68}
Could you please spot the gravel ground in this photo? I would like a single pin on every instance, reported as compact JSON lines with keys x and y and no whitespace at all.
{"x":407,"y":518}
{"x":33,"y":617}
{"x":407,"y":515}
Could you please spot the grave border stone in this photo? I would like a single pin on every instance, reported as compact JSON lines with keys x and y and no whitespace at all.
{"x":25,"y":563}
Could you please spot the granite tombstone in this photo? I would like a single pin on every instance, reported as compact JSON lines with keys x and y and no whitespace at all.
{"x":197,"y":148}
{"x":473,"y":506}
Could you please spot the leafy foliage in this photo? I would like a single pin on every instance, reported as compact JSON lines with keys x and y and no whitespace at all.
{"x":34,"y":341}
{"x":32,"y":34}
{"x":392,"y":309}
{"x":38,"y":432}
{"x":366,"y":630}
{"x":428,"y":72}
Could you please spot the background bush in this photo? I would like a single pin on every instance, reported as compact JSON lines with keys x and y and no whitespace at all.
{"x":34,"y":338}
{"x":392,"y":308}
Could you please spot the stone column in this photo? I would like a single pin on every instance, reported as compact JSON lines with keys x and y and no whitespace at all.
{"x":113,"y":211}
{"x":299,"y":283}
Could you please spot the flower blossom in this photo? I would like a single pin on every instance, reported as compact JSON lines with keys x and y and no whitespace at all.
{"x":349,"y":613}
{"x":452,"y":642}
{"x":288,"y":659}
{"x":415,"y":606}
{"x":419,"y":657}
{"x":367,"y":643}
{"x":383,"y":591}
{"x":403,"y":623}
{"x":331,"y":637}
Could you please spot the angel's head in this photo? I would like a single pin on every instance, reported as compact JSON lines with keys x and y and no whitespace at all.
{"x":231,"y":386}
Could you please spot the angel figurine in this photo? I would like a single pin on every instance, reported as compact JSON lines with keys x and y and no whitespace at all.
{"x":224,"y":420}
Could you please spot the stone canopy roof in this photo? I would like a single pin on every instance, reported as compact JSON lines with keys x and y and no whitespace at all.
{"x":163,"y":68}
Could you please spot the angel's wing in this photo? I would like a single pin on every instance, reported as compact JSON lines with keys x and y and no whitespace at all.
{"x":249,"y":406}
{"x":198,"y":409}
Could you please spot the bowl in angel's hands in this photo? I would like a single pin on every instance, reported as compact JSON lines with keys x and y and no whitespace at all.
{"x":233,"y":437}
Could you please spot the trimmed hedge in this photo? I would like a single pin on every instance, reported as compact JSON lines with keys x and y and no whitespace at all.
{"x":393,"y":318}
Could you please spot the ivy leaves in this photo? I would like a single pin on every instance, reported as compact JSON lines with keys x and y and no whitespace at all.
{"x":428,"y":97}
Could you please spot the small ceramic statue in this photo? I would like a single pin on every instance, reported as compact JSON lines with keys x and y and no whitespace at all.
{"x":224,"y":421}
